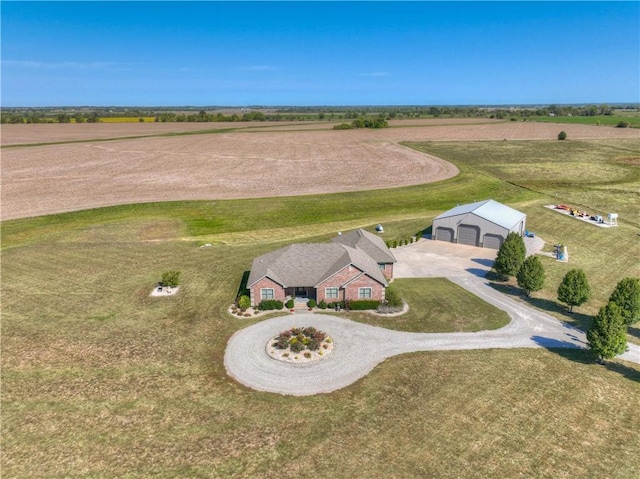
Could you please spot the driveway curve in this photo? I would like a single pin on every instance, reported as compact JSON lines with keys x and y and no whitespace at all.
{"x":358,"y":347}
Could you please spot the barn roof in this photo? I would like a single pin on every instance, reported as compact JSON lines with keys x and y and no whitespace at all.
{"x":490,"y":210}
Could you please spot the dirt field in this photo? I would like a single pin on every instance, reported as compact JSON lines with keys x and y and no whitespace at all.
{"x":54,"y":132}
{"x":239,"y":164}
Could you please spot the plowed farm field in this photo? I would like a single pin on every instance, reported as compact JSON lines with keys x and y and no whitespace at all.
{"x":253,"y":161}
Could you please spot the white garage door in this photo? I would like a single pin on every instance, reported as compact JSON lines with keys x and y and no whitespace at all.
{"x":492,"y":241}
{"x":468,"y":234}
{"x":444,"y":234}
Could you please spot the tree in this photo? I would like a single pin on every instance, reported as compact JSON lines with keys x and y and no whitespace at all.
{"x":531,"y":275}
{"x":510,"y":256}
{"x":608,"y":335}
{"x":171,"y":278}
{"x":574,"y":289}
{"x":392,"y":297}
{"x":562,"y":135}
{"x":244,"y":302}
{"x":627,"y":295}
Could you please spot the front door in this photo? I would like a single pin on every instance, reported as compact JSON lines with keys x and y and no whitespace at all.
{"x":301,"y":292}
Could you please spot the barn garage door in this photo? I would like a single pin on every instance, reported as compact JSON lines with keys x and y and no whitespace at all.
{"x":444,"y":234}
{"x":468,"y":234}
{"x":492,"y":241}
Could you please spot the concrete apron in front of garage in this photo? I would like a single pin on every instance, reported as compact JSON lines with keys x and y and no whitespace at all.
{"x":439,"y":259}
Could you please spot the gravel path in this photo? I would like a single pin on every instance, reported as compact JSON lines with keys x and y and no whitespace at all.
{"x":359,"y":347}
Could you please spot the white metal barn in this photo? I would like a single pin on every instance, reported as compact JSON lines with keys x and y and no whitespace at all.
{"x":485,"y":223}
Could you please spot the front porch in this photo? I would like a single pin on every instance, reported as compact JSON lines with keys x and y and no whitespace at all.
{"x":301,"y":293}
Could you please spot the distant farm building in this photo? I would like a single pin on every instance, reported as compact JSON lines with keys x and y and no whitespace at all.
{"x":485,"y":223}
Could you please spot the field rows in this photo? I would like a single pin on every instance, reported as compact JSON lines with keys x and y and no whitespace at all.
{"x":239,"y":164}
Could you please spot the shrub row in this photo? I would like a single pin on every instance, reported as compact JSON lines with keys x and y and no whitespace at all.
{"x":364,"y":304}
{"x":404,"y":242}
{"x":270,"y":304}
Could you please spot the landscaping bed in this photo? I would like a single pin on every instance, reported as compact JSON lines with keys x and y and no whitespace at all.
{"x":300,"y":345}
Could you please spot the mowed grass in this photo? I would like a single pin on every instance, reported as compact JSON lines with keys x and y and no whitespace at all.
{"x":597,"y":176}
{"x":436,"y":305}
{"x":101,"y":380}
{"x":631,"y":118}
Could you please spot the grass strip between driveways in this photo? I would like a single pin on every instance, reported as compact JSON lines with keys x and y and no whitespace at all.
{"x":436,"y":305}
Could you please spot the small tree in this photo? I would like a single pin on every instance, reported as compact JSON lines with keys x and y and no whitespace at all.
{"x":171,"y":278}
{"x":562,"y":135}
{"x":244,"y":302}
{"x":510,"y":256}
{"x":531,"y":275}
{"x":574,"y":289}
{"x":392,"y":297}
{"x":627,"y":295}
{"x":608,"y":335}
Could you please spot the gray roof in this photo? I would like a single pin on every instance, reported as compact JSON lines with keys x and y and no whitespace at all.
{"x":371,"y":244}
{"x":490,"y":210}
{"x":308,"y":264}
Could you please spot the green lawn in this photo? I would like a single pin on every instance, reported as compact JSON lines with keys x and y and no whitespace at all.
{"x":436,"y":305}
{"x":599,"y":176}
{"x":632,"y":118}
{"x":101,"y":380}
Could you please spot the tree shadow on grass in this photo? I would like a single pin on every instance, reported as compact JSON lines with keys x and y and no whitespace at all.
{"x":579,"y":320}
{"x":242,"y":289}
{"x":569,"y":351}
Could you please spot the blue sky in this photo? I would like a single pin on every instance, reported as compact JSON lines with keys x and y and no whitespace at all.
{"x":319,"y":53}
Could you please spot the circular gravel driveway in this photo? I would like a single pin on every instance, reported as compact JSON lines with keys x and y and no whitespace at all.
{"x":358,"y":347}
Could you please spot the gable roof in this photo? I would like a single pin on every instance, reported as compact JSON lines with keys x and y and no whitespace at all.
{"x":371,"y":244}
{"x":490,"y":210}
{"x":307,"y":265}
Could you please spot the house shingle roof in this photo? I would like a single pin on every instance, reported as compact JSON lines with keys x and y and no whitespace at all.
{"x":371,"y":244}
{"x":308,"y":264}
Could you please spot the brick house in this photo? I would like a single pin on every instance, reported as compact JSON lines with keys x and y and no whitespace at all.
{"x":353,"y":266}
{"x":371,"y":245}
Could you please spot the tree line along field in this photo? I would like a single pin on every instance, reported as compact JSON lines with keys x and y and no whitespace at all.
{"x":100,"y":380}
{"x":603,"y":113}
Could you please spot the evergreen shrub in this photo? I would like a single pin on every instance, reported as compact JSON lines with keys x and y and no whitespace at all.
{"x":364,"y":304}
{"x":270,"y":304}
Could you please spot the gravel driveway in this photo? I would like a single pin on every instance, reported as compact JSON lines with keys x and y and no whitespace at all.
{"x":358,"y":348}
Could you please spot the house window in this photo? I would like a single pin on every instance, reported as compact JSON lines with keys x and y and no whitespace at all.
{"x":267,"y":293}
{"x":331,"y":293}
{"x":381,"y":266}
{"x":364,"y":293}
